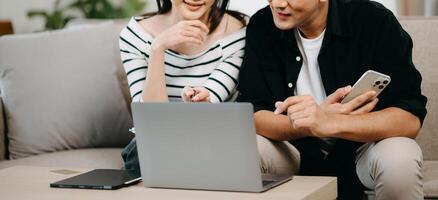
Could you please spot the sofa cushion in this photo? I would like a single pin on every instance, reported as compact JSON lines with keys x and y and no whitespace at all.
{"x":107,"y":158}
{"x":64,"y":90}
{"x":424,"y":33}
{"x":2,"y":132}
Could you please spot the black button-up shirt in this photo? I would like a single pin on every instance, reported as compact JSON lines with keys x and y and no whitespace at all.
{"x":360,"y":36}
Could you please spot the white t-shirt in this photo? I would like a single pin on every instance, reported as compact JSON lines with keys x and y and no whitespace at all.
{"x":309,"y":80}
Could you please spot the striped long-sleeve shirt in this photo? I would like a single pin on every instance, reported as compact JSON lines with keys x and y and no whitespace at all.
{"x":216,"y":68}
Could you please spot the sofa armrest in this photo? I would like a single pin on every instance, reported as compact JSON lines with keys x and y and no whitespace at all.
{"x":2,"y":132}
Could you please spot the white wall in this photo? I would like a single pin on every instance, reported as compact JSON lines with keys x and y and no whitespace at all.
{"x":248,"y":7}
{"x":16,"y":10}
{"x":431,"y":7}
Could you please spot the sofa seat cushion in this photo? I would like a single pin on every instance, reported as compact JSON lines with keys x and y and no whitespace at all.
{"x":108,"y":158}
{"x":430,"y":179}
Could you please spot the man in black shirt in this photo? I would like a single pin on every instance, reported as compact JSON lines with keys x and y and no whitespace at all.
{"x":300,"y":58}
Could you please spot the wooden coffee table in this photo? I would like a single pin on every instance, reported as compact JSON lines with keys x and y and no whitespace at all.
{"x":29,"y":182}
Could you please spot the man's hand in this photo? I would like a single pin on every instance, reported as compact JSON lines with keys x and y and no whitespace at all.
{"x":196,"y":94}
{"x":304,"y":113}
{"x":362,"y":104}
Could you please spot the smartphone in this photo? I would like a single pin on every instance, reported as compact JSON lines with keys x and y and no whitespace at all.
{"x":369,"y":81}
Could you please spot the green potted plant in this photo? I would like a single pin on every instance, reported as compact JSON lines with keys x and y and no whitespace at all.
{"x":103,"y":9}
{"x":53,"y":20}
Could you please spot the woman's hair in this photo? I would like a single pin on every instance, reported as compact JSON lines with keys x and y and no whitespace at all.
{"x":219,"y":8}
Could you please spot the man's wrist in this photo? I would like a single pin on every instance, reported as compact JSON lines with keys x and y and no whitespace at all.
{"x":338,"y":124}
{"x":298,"y":132}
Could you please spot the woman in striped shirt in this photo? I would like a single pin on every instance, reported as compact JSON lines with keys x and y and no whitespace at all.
{"x":190,"y":46}
{"x":190,"y":50}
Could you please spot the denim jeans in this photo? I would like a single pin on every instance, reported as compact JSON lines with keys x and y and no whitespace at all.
{"x":130,"y":157}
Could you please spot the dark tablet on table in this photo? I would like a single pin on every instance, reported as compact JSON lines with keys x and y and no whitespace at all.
{"x":102,"y":179}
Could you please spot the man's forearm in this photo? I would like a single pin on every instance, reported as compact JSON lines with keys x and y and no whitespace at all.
{"x":276,"y":127}
{"x":375,"y":126}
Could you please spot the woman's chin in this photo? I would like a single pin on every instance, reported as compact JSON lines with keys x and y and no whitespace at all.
{"x":192,"y":15}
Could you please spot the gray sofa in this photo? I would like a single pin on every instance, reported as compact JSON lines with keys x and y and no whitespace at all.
{"x":102,"y":150}
{"x":424,"y":32}
{"x":64,"y":98}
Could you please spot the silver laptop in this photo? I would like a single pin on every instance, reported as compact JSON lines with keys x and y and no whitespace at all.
{"x":200,"y":146}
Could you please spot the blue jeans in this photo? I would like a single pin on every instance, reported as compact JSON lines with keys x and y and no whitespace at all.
{"x":130,"y":157}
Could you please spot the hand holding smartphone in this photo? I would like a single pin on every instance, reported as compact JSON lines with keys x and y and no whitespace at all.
{"x":369,"y":81}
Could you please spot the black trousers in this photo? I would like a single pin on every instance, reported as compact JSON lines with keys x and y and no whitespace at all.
{"x":340,"y":162}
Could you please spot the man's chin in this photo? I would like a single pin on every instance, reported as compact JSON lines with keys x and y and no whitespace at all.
{"x":283,"y":25}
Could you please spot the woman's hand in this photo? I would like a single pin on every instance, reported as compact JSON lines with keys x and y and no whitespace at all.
{"x":195,"y":94}
{"x":192,"y":31}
